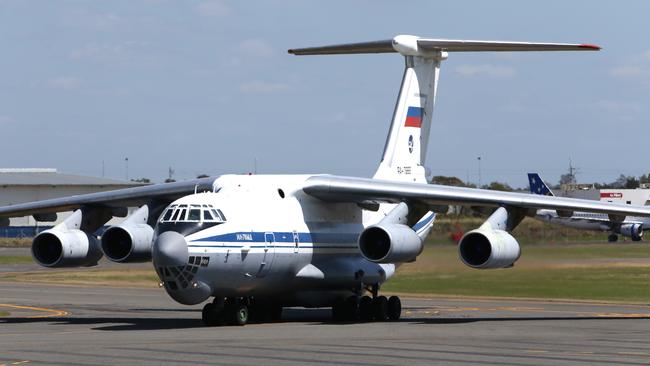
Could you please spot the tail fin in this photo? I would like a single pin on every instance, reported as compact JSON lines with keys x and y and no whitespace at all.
{"x":406,"y":145}
{"x":537,"y":185}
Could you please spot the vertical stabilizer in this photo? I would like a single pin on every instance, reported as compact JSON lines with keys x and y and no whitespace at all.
{"x":407,"y":142}
{"x":408,"y":137}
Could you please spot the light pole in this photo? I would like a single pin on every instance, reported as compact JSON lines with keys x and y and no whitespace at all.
{"x":126,"y":164}
{"x":479,"y":171}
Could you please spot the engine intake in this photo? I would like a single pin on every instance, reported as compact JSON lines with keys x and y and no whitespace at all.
{"x":634,"y":231}
{"x":389,"y":243}
{"x":131,"y":240}
{"x":71,"y":248}
{"x":129,"y":243}
{"x":486,"y":249}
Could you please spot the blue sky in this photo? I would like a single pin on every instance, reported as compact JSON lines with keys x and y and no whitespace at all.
{"x":207,"y":87}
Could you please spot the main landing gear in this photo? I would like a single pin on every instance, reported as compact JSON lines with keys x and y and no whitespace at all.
{"x":366,"y":308}
{"x":238,"y":311}
{"x":612,"y":238}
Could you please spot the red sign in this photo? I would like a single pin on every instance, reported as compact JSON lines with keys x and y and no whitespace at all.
{"x":611,"y":195}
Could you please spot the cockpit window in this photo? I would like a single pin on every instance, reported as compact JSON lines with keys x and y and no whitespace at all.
{"x":207,"y":216}
{"x":194,"y":215}
{"x":177,"y":213}
{"x":221,"y":214}
{"x":168,"y":214}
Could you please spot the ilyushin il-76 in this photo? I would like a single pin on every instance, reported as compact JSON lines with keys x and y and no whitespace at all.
{"x":249,"y":245}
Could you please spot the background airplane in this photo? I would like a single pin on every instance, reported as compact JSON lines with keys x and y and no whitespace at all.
{"x":258,"y":243}
{"x":631,"y":227}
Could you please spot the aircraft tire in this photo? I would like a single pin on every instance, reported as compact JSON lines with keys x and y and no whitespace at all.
{"x":394,"y":308}
{"x":351,"y":309}
{"x":239,"y":314}
{"x":366,"y":309}
{"x":211,"y":315}
{"x":380,"y":307}
{"x":612,"y":238}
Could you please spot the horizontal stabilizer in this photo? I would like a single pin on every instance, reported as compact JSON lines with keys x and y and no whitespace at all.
{"x":413,"y":45}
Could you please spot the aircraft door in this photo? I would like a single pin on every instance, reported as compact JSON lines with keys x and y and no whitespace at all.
{"x":268,"y":255}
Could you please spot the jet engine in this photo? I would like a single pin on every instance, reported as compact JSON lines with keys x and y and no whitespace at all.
{"x":486,"y":249}
{"x":131,"y":240}
{"x":66,"y":246}
{"x":491,"y":245}
{"x":390,"y":243}
{"x":634,"y":231}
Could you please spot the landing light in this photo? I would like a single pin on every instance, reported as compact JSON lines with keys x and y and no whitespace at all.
{"x":195,"y":285}
{"x":161,"y":284}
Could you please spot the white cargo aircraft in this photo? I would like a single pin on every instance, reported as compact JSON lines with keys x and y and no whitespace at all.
{"x":631,"y":227}
{"x":257,"y":243}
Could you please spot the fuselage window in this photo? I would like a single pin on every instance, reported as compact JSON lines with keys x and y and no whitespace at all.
{"x":194,"y":215}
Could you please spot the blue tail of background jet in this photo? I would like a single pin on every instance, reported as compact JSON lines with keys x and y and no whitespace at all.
{"x":537,"y":185}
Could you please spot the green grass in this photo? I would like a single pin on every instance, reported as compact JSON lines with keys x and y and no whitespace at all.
{"x":4,"y":313}
{"x":613,"y":272}
{"x":15,"y":259}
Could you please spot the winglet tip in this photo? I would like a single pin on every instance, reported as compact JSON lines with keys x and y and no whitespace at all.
{"x":591,"y":47}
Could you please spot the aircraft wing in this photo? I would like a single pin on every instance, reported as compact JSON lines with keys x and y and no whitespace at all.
{"x":350,"y":189}
{"x":119,"y":198}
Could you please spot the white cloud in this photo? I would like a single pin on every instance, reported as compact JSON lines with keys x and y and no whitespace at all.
{"x":6,"y":120}
{"x":256,"y":47}
{"x":213,"y":8}
{"x":635,"y":67}
{"x":619,"y":106}
{"x":65,"y":82}
{"x":493,"y":71}
{"x":630,"y":71}
{"x":263,"y":87}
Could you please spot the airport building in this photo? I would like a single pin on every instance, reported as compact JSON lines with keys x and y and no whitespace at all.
{"x":639,"y":196}
{"x":27,"y":185}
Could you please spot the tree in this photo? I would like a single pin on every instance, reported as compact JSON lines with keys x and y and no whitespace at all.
{"x":449,"y":181}
{"x":498,"y":186}
{"x":202,"y":176}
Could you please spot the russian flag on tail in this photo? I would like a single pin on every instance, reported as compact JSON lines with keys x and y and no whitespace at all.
{"x":414,"y":117}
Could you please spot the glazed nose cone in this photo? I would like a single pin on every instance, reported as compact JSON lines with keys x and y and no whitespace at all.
{"x":170,"y":249}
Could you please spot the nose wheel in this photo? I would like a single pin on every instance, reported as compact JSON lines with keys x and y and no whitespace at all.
{"x":239,"y":311}
{"x":225,"y":312}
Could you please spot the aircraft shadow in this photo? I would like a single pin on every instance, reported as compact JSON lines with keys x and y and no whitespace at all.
{"x":313,"y":316}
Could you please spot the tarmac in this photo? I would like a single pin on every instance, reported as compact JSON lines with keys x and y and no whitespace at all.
{"x":73,"y":325}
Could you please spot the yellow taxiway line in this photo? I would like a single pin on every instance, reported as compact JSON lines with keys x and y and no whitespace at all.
{"x":50,"y":313}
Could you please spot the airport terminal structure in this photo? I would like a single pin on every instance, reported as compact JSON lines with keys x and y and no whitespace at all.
{"x":27,"y":184}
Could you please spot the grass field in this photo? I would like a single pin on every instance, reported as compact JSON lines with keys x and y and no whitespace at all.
{"x":611,"y":272}
{"x":560,"y":268}
{"x":15,"y":259}
{"x":596,"y":272}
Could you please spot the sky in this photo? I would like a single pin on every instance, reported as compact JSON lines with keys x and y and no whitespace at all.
{"x":206,"y":87}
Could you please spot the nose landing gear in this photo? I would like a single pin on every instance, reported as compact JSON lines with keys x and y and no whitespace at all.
{"x":239,"y":311}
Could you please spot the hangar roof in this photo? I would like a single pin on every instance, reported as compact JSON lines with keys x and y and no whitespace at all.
{"x":51,"y":177}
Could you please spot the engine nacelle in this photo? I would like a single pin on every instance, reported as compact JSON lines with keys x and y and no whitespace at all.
{"x":390,"y":243}
{"x":131,"y":240}
{"x":634,"y":231}
{"x":65,"y":248}
{"x":127,"y":244}
{"x":484,"y":249}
